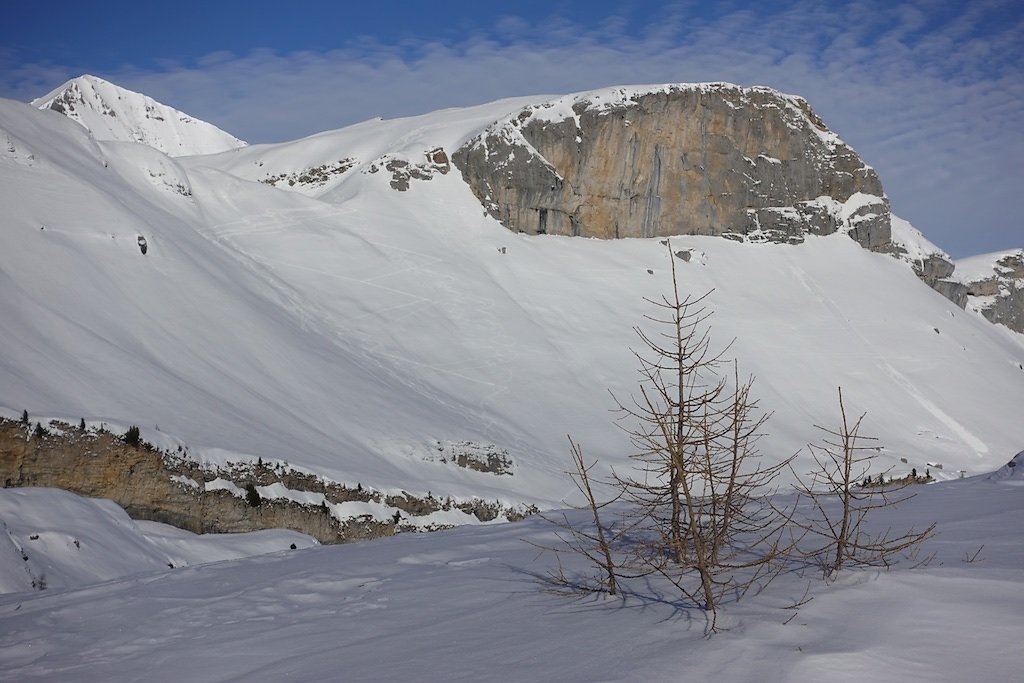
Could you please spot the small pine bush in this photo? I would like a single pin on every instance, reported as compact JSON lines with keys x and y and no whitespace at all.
{"x":24,"y":417}
{"x":39,"y":431}
{"x":131,"y":437}
{"x":252,"y":496}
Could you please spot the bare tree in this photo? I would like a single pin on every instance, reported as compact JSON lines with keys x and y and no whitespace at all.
{"x":595,"y":545}
{"x":697,"y":506}
{"x":841,"y":505}
{"x":700,"y":491}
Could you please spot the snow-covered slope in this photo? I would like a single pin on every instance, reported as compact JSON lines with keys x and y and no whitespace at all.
{"x":464,"y":605}
{"x":915,"y":247}
{"x":985,"y":266}
{"x":54,"y":540}
{"x":325,"y":165}
{"x":113,"y":113}
{"x":352,"y":330}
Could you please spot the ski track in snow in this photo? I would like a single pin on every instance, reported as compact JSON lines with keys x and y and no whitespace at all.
{"x":973,"y":443}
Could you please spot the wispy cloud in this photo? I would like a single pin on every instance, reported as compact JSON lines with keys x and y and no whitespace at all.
{"x":931,"y":95}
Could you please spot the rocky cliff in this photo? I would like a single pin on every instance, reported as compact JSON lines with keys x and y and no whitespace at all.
{"x":995,"y":286}
{"x":174,"y":489}
{"x":930,"y":263}
{"x":709,"y":159}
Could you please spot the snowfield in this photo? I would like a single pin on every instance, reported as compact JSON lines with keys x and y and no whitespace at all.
{"x":466,"y":605}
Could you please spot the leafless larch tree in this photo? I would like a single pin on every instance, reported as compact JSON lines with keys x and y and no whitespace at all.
{"x":841,"y":504}
{"x":700,"y":515}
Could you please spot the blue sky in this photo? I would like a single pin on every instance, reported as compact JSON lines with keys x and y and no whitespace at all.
{"x":931,"y":93}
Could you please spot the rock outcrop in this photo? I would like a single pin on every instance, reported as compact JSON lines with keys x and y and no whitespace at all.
{"x":172,"y":488}
{"x":931,"y":264}
{"x":995,"y":286}
{"x":708,"y":159}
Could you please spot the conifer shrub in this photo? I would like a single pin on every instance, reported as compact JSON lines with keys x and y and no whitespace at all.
{"x":252,"y":496}
{"x":131,"y":437}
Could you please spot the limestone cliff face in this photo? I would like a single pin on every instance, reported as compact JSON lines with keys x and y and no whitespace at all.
{"x":165,"y":487}
{"x":710,"y":159}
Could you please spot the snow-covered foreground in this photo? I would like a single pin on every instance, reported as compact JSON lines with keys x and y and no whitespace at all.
{"x":465,"y":605}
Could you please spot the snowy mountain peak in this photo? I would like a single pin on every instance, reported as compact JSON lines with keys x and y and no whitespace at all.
{"x":114,"y":113}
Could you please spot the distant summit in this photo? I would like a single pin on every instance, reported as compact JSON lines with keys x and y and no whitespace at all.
{"x":113,"y":113}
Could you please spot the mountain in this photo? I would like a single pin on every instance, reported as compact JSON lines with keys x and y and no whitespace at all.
{"x":353,"y":311}
{"x":113,"y":113}
{"x":346,"y":306}
{"x":749,"y":164}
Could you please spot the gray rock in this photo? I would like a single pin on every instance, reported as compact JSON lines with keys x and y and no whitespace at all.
{"x":952,"y":290}
{"x":746,"y":163}
{"x":1000,"y":296}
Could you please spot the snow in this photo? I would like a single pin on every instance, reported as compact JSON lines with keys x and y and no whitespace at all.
{"x":346,"y":329}
{"x":465,"y":604}
{"x":110,"y":112}
{"x":983,"y":266}
{"x":366,"y":143}
{"x":220,"y":484}
{"x":187,"y":482}
{"x":917,"y":246}
{"x":68,"y":542}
